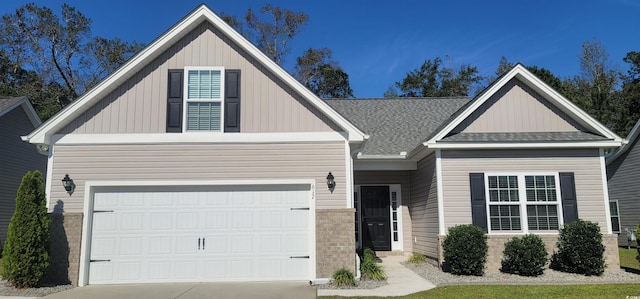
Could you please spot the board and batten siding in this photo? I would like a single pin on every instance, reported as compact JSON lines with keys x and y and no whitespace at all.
{"x":623,"y":176}
{"x":585,"y":163}
{"x":16,"y":158}
{"x":139,"y":105}
{"x":517,"y":108}
{"x":424,"y":207}
{"x":199,"y":162}
{"x":387,"y":178}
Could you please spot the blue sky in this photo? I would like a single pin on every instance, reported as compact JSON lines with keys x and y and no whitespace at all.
{"x":378,"y":42}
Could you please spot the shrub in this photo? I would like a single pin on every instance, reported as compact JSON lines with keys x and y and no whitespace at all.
{"x":580,"y":249}
{"x":525,"y":256}
{"x":369,"y":266}
{"x":465,"y":250}
{"x":417,"y":258}
{"x":343,"y":276}
{"x":638,"y":242}
{"x":25,"y":255}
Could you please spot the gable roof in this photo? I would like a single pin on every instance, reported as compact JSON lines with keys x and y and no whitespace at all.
{"x":8,"y":104}
{"x":598,"y":135}
{"x":201,"y":14}
{"x":631,"y":138}
{"x":396,"y":126}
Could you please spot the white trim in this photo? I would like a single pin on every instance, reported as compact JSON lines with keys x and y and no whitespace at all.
{"x":49,"y":178}
{"x":525,"y":145}
{"x":605,"y":190}
{"x":401,"y":156}
{"x":358,"y":216}
{"x":90,"y":190}
{"x":348,"y":174}
{"x":440,"y":194}
{"x":157,"y":47}
{"x":385,"y":165}
{"x":628,"y":142}
{"x":521,"y":73}
{"x":195,"y":137}
{"x":396,"y":245}
{"x":186,"y":100}
{"x":617,"y":209}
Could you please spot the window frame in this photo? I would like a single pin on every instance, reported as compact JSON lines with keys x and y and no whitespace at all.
{"x":523,"y":203}
{"x":186,"y":100}
{"x":616,"y":216}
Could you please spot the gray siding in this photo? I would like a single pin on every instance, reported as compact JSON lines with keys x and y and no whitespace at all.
{"x":424,"y":207}
{"x":623,"y":175}
{"x":392,"y":177}
{"x":197,"y":162}
{"x":517,"y":108}
{"x":585,"y":163}
{"x":139,"y":105}
{"x":16,"y":158}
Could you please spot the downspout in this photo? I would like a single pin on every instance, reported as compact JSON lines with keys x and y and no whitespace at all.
{"x":354,"y":154}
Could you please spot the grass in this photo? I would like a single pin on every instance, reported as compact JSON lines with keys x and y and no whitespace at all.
{"x":628,"y":258}
{"x":538,"y":291}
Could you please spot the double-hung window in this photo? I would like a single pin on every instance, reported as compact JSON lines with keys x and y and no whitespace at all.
{"x":523,"y":202}
{"x":615,"y":216}
{"x":204,"y":94}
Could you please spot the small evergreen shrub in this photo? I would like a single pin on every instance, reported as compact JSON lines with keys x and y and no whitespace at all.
{"x":580,"y":249}
{"x":524,"y":256}
{"x":417,"y":258}
{"x":369,"y":266}
{"x":25,"y":256}
{"x":344,"y":277}
{"x":465,"y":250}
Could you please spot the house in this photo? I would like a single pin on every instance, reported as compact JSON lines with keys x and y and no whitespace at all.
{"x":17,"y":118}
{"x":202,"y":160}
{"x":623,"y":170}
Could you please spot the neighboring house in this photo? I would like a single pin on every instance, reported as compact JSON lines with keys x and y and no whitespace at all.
{"x":17,"y":118}
{"x":623,"y":174}
{"x":202,"y":160}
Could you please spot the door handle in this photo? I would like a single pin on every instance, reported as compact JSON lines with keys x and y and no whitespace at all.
{"x":202,"y":243}
{"x":198,"y":243}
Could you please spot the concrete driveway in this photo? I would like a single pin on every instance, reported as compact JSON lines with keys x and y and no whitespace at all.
{"x":274,"y":290}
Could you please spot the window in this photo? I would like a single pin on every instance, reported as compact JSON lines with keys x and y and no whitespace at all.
{"x":615,"y":216}
{"x":523,"y":203}
{"x":204,"y":94}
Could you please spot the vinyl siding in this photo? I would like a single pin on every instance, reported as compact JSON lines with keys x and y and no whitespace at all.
{"x":424,"y":207}
{"x":585,"y":163}
{"x":517,"y":108}
{"x":623,"y":175}
{"x":16,"y":158}
{"x":139,"y":105}
{"x":189,"y":162}
{"x":387,"y":178}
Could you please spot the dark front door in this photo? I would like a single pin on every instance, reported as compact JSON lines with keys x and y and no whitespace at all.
{"x":376,"y":223}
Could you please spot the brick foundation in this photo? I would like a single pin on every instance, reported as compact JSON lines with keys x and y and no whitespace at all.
{"x":496,"y":247}
{"x":335,"y":241}
{"x":66,"y":235}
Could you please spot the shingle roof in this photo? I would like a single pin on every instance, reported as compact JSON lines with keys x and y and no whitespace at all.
{"x":523,"y":137}
{"x":398,"y":124}
{"x":5,"y":103}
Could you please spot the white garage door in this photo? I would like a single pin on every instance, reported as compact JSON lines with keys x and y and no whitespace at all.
{"x":240,"y":233}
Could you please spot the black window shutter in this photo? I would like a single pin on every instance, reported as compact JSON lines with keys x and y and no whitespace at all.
{"x":232,"y":101}
{"x":478,"y":201}
{"x":174,"y":101}
{"x":568,"y":193}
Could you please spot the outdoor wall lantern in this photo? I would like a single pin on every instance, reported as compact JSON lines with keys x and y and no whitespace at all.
{"x":330,"y":182}
{"x":68,"y":184}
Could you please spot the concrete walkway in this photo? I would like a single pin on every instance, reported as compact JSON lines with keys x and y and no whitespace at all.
{"x":401,"y":281}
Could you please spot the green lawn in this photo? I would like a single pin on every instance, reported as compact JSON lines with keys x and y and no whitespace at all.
{"x":539,"y":291}
{"x":628,"y":258}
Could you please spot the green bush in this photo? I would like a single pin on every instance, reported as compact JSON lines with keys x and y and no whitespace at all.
{"x":580,"y":249}
{"x":343,"y":276}
{"x":25,"y":256}
{"x":638,"y":241}
{"x":369,"y":266}
{"x":524,"y":256}
{"x":417,"y":258}
{"x":465,"y":250}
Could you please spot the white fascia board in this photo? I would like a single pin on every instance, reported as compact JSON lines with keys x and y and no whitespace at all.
{"x":626,"y":144}
{"x":391,"y":165}
{"x":595,"y":144}
{"x":381,"y":157}
{"x":196,"y":137}
{"x":43,"y":134}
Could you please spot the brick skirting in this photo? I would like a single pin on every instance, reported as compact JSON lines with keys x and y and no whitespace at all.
{"x":335,"y":241}
{"x":66,"y":235}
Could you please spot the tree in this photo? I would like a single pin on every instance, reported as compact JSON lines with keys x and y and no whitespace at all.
{"x":25,"y":257}
{"x":270,"y":36}
{"x":316,"y":70}
{"x":433,"y":79}
{"x":630,"y":99}
{"x":61,"y":51}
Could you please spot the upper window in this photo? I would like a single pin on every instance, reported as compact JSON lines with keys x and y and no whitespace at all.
{"x":204,"y":95}
{"x":615,"y":216}
{"x":523,"y":203}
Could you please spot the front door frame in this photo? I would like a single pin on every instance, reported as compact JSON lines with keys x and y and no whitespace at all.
{"x":398,"y":229}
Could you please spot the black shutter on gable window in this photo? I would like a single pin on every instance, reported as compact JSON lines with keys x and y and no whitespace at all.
{"x":232,"y":101}
{"x":569,"y":200}
{"x":174,"y":101}
{"x":478,"y":201}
